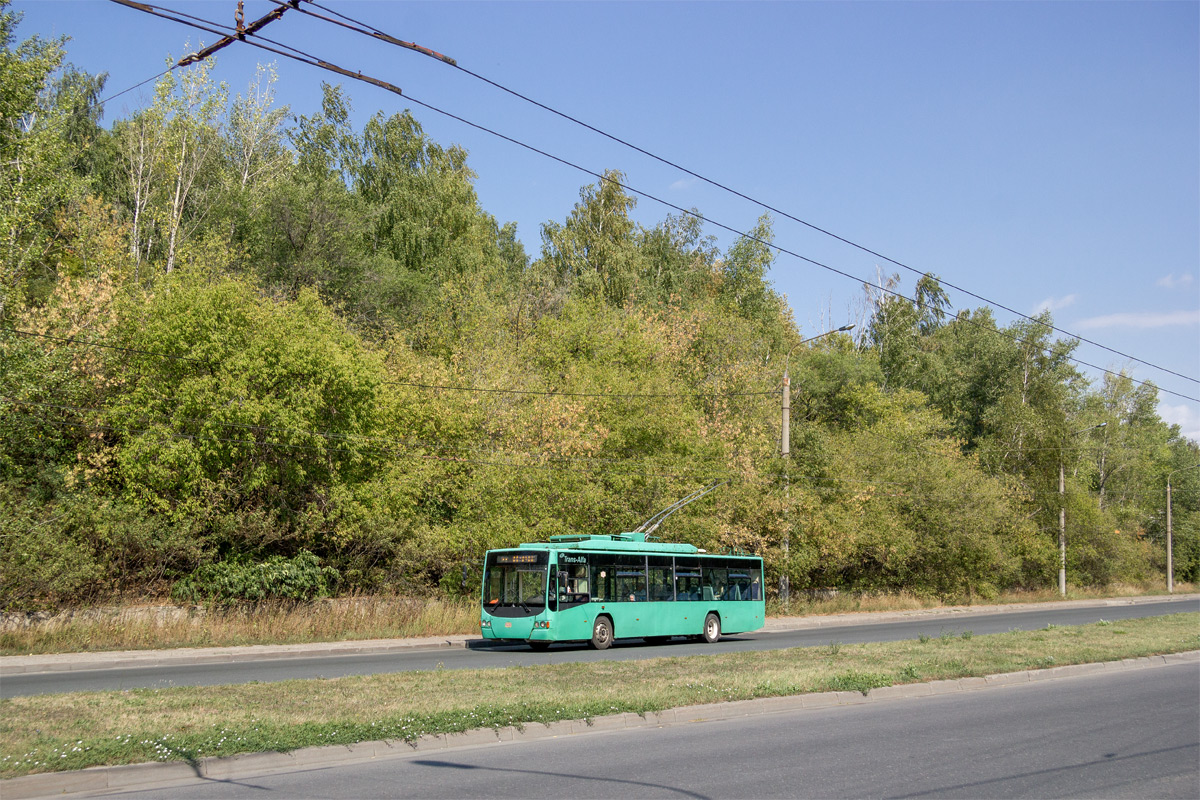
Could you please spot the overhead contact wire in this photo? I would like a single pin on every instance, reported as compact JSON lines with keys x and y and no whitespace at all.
{"x":371,"y":31}
{"x":312,"y":60}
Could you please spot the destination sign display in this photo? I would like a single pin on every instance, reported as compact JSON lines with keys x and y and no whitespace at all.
{"x":519,"y":558}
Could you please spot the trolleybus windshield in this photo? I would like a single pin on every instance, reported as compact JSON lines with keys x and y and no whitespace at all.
{"x":515,"y":579}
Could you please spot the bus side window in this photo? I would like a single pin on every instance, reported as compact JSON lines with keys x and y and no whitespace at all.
{"x":660,"y":578}
{"x":579,"y":584}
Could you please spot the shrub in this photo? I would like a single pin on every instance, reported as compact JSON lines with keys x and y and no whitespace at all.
{"x":276,"y":578}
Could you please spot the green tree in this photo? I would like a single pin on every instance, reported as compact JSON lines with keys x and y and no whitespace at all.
{"x":255,"y":152}
{"x":679,"y":261}
{"x":36,"y":175}
{"x":595,"y":252}
{"x":744,"y":271}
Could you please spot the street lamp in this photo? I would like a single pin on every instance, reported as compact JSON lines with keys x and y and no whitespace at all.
{"x":1170,"y":548}
{"x":1062,"y":514}
{"x":785,"y":448}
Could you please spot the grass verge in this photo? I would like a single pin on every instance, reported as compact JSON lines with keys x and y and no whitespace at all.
{"x":829,"y":602}
{"x":50,"y":733}
{"x":158,"y":627}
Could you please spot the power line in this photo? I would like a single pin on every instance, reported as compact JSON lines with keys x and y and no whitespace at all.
{"x":306,"y":58}
{"x":772,"y":245}
{"x":88,"y":343}
{"x":363,"y":28}
{"x":376,"y":33}
{"x":440,"y":387}
{"x":549,"y":393}
{"x":111,"y":97}
{"x":534,"y":461}
{"x":550,"y":465}
{"x":375,"y":443}
{"x":248,"y":38}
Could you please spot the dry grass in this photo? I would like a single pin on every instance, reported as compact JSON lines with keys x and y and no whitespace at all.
{"x":816,"y":604}
{"x":155,"y":627}
{"x":71,"y":731}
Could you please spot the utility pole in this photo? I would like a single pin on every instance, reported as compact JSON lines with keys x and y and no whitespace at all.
{"x":1062,"y":529}
{"x":785,"y":449}
{"x":1170,"y":549}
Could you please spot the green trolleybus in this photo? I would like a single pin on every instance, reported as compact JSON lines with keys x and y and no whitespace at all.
{"x":597,"y":588}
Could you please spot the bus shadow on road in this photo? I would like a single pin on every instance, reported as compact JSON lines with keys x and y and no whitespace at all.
{"x":490,"y":645}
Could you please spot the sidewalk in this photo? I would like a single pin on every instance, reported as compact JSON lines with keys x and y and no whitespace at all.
{"x":65,"y":662}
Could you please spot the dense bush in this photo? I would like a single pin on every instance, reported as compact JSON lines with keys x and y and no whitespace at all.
{"x":274,"y":578}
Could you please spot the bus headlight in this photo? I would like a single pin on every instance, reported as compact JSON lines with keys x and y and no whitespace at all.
{"x":485,"y":623}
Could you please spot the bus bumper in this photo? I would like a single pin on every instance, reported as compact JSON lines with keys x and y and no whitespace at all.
{"x":502,"y":628}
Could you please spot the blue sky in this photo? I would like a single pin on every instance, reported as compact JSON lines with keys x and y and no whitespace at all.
{"x":1039,"y":155}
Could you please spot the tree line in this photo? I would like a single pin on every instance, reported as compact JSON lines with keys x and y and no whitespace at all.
{"x":246,"y":352}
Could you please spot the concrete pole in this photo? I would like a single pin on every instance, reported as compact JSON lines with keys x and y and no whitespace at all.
{"x":785,"y":446}
{"x":1170,"y":553}
{"x":1062,"y":530}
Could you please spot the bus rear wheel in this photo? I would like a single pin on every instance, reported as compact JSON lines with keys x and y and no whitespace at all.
{"x":712,"y":628}
{"x":602,"y":634}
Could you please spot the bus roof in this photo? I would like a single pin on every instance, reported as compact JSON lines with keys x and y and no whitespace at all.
{"x":630,"y":542}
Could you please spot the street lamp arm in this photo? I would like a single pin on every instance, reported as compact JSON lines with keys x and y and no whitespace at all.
{"x":1089,"y":428}
{"x":788,"y":357}
{"x":1181,"y":469}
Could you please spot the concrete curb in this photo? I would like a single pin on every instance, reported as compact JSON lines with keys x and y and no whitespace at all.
{"x":160,"y":774}
{"x":68,"y":662}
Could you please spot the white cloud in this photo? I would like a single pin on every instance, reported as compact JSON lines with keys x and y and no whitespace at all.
{"x":683,"y":183}
{"x":1141,"y":319}
{"x":1174,"y":281}
{"x":1186,"y":417}
{"x":1055,"y":303}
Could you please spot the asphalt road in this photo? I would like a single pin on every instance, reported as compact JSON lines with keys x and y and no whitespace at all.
{"x":483,"y":657}
{"x":1133,"y":734}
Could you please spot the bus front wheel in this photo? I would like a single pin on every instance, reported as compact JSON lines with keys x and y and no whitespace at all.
{"x":602,"y":634}
{"x":712,"y":628}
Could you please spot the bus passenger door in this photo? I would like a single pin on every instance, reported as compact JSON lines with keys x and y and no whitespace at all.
{"x":571,"y":594}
